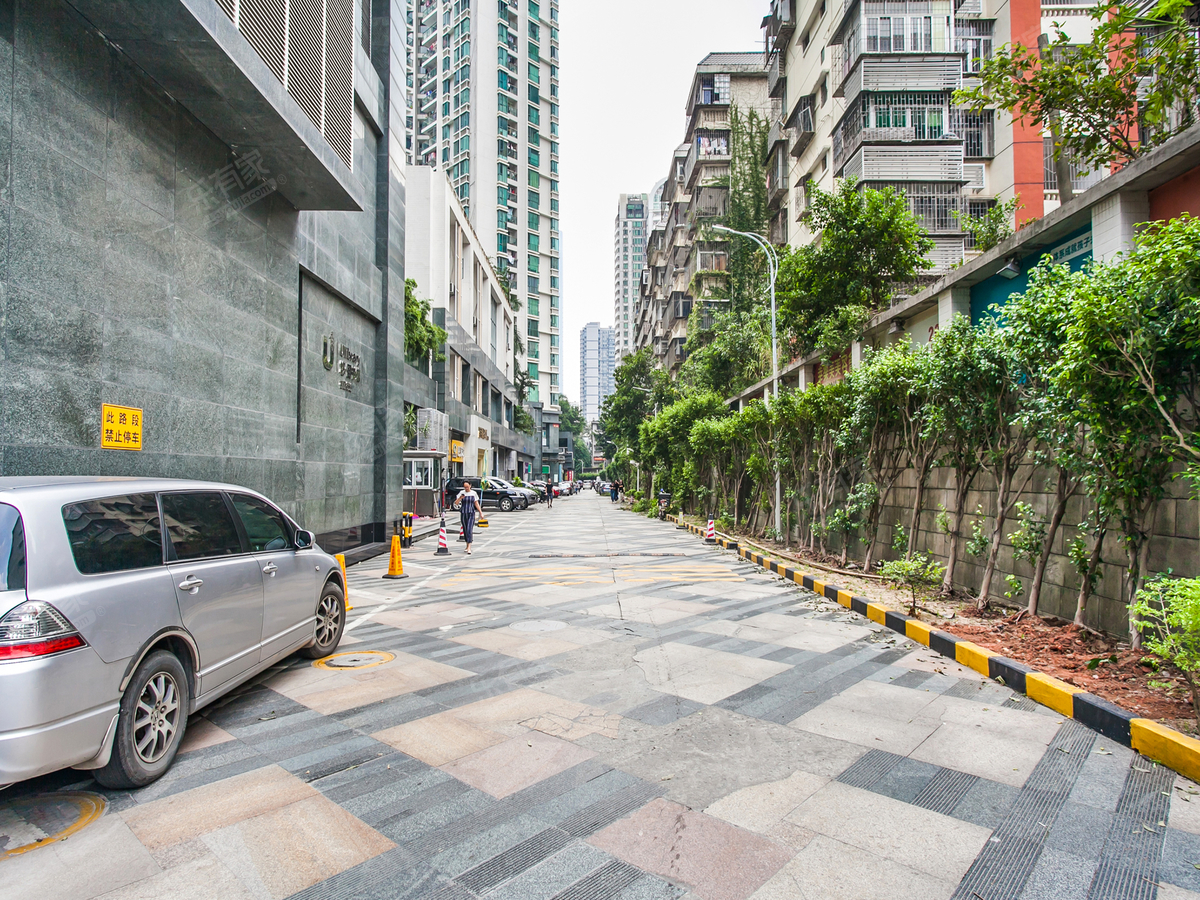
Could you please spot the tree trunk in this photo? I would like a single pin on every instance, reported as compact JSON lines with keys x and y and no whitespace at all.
{"x":872,"y":533}
{"x":961,"y":487}
{"x":915,"y":518}
{"x":1139,"y":553}
{"x":1062,"y":495}
{"x":1085,"y":589}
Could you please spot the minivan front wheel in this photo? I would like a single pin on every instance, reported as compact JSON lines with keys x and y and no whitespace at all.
{"x":331,"y":622}
{"x":153,"y":719}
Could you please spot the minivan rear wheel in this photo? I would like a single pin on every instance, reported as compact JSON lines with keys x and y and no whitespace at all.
{"x":153,"y":719}
{"x":331,"y":622}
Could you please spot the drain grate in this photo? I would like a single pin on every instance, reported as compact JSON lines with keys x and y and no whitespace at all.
{"x":355,"y":659}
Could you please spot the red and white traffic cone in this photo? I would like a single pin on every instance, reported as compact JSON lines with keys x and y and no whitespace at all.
{"x":443,"y":549}
{"x":710,"y":536}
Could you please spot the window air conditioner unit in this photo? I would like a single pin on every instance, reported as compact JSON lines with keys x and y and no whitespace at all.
{"x":974,"y":175}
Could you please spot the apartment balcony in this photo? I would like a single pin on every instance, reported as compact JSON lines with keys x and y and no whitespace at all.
{"x":855,"y":70}
{"x":777,"y":75}
{"x":781,"y":23}
{"x":777,"y":176}
{"x":905,"y":162}
{"x":801,"y":126}
{"x":708,"y":203}
{"x":709,"y":156}
{"x":676,"y":354}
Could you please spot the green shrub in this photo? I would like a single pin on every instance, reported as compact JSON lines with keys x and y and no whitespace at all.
{"x":1167,"y":611}
{"x":913,"y":572}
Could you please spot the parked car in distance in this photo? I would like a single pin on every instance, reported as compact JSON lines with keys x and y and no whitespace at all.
{"x":490,"y":493}
{"x":126,"y":604}
{"x":527,"y":495}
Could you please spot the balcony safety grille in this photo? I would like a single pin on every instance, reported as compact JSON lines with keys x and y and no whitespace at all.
{"x":309,"y":46}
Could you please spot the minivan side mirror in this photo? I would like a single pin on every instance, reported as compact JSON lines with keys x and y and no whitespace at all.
{"x":304,"y":539}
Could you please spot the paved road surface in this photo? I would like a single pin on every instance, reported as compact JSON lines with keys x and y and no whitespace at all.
{"x":597,"y":705}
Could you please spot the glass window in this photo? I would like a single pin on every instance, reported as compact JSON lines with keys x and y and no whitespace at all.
{"x":12,"y":550}
{"x":113,"y":534}
{"x":199,"y":525}
{"x":533,"y":220}
{"x":264,"y":524}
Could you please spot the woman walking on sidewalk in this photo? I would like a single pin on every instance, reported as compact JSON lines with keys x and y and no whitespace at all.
{"x":468,"y":506}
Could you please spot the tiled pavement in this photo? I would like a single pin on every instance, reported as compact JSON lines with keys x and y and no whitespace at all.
{"x":594,"y":705}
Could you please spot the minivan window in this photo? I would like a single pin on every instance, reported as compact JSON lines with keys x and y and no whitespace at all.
{"x":199,"y":525}
{"x":265,"y":527}
{"x":114,"y":534}
{"x":12,"y":549}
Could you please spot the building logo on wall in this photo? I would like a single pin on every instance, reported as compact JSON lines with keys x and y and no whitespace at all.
{"x":349,"y":363}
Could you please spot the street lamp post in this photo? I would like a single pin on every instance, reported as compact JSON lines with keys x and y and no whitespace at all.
{"x":773,"y":266}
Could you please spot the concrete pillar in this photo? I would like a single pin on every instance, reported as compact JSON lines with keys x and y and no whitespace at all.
{"x":953,"y":302}
{"x":806,"y":377}
{"x":1113,"y":220}
{"x":856,"y":354}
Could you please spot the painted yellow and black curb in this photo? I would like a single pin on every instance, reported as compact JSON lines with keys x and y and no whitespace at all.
{"x":1173,"y":749}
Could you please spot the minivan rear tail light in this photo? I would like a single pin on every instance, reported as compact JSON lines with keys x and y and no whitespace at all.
{"x":36,"y":629}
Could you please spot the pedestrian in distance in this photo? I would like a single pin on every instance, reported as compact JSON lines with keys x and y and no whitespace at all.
{"x":468,"y":505}
{"x":549,"y":494}
{"x":614,"y":491}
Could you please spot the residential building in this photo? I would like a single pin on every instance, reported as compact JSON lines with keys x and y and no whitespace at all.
{"x":483,"y":107}
{"x":685,"y":260}
{"x":473,"y":382}
{"x":864,"y":89}
{"x":629,"y":257}
{"x":597,"y":360}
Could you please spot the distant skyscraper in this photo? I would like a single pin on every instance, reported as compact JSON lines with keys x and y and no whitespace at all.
{"x":597,"y":359}
{"x":629,"y":256}
{"x":483,"y":107}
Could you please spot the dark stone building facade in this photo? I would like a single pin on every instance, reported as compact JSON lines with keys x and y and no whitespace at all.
{"x":182,"y":237}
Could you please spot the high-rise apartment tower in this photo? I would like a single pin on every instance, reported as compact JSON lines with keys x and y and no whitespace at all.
{"x":629,"y":257}
{"x":597,"y":359}
{"x":483,"y":106}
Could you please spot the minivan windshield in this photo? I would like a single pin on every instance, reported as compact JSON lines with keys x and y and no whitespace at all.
{"x":12,"y":549}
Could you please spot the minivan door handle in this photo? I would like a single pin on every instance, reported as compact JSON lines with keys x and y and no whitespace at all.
{"x":190,"y":584}
{"x":270,"y":569}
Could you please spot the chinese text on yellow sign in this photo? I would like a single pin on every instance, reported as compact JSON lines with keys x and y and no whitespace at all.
{"x":120,"y":427}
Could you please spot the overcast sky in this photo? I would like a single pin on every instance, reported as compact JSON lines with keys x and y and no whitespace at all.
{"x":626,"y":69}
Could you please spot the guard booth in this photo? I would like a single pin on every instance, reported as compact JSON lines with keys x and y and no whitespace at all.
{"x":422,"y":477}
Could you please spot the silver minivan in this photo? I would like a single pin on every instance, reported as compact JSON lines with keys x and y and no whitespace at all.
{"x":128,"y":603}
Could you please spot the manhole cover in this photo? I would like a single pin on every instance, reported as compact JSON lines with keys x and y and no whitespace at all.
{"x":355,"y":659}
{"x":27,"y":823}
{"x":538,"y":625}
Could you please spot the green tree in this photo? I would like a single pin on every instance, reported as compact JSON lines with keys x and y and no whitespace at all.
{"x":1170,"y":607}
{"x":991,"y":228}
{"x":869,"y":241}
{"x":1134,"y":85}
{"x":1035,"y":327}
{"x":955,"y":418}
{"x":730,"y":353}
{"x":1122,"y":381}
{"x":571,"y":420}
{"x":663,"y":443}
{"x":421,"y":337}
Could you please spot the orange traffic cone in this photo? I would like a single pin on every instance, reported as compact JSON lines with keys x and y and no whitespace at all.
{"x":395,"y":563}
{"x":710,"y":536}
{"x":443,"y":549}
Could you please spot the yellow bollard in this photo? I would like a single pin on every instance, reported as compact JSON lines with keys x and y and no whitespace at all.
{"x":341,"y":558}
{"x":396,"y":562}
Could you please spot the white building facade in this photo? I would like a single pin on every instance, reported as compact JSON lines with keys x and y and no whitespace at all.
{"x":597,"y":360}
{"x":629,"y":258}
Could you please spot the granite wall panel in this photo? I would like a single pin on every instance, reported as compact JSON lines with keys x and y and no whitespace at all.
{"x":128,"y":275}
